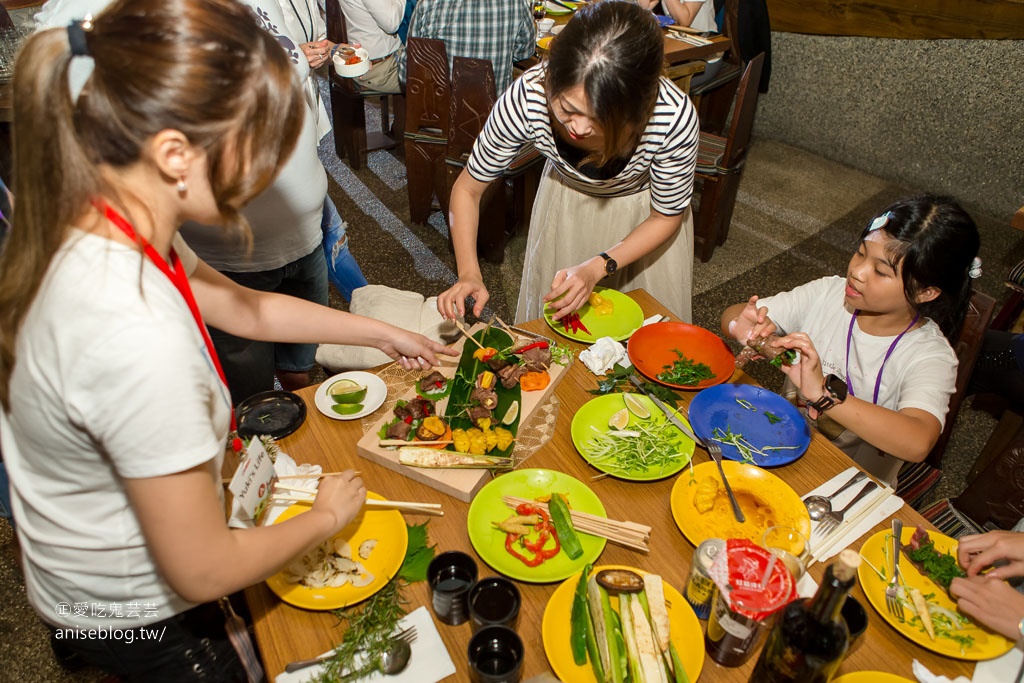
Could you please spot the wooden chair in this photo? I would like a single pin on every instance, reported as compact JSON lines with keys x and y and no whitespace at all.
{"x":714,"y":98}
{"x":348,"y":105}
{"x":917,"y":479}
{"x":427,"y":111}
{"x":505,"y":203}
{"x":720,"y":163}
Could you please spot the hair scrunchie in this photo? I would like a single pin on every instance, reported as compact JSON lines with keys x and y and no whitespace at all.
{"x":76,"y":36}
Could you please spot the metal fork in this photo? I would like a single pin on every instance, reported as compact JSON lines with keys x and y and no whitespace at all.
{"x":715,"y":451}
{"x":408,"y":635}
{"x":833,"y":519}
{"x":892,"y":597}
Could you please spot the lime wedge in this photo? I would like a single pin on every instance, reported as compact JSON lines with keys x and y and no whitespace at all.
{"x":620,"y":420}
{"x":347,"y":408}
{"x":511,"y":414}
{"x":636,"y":406}
{"x":347,"y":391}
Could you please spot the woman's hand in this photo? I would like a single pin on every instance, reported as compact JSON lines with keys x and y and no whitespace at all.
{"x":978,"y":551}
{"x":991,"y":602}
{"x":571,"y":287}
{"x":451,"y":303}
{"x":414,"y":351}
{"x":317,"y":52}
{"x":805,"y":373}
{"x":341,"y":497}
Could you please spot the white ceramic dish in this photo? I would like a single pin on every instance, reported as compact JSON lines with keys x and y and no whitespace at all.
{"x":352,"y":70}
{"x":555,"y":30}
{"x":376,"y":392}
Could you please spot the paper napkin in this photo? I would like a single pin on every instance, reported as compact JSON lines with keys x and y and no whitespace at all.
{"x":603,"y":355}
{"x":430,"y":660}
{"x":880,"y":505}
{"x":284,"y":466}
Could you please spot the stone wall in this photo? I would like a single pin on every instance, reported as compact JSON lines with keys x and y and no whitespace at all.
{"x":940,"y":115}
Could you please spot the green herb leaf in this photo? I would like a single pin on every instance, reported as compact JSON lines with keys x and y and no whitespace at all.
{"x":417,"y":556}
{"x":685,"y":371}
{"x":772,"y":417}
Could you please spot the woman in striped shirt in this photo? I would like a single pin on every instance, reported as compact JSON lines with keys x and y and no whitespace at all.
{"x":621,"y":147}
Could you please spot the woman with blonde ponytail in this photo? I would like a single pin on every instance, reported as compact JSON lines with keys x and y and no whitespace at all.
{"x":115,"y":415}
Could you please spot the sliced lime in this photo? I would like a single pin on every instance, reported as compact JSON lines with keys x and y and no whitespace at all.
{"x":511,"y":414}
{"x":347,"y":408}
{"x":347,"y":391}
{"x":620,"y":420}
{"x":636,"y":406}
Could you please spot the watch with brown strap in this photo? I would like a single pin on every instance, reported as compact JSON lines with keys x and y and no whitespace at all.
{"x":835,"y":390}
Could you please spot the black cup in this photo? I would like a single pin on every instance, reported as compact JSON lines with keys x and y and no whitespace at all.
{"x":493,"y":601}
{"x":495,"y":655}
{"x":856,"y":618}
{"x":450,"y":576}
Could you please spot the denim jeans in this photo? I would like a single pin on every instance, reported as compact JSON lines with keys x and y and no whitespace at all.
{"x":342,"y":268}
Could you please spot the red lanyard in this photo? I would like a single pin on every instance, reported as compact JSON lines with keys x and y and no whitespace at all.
{"x":176,"y":274}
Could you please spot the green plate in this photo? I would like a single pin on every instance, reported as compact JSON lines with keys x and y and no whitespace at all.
{"x":592,"y":419}
{"x":553,"y":10}
{"x":623,"y":321}
{"x":488,"y":507}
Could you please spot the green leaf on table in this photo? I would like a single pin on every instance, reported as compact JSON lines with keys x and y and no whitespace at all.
{"x":417,"y":555}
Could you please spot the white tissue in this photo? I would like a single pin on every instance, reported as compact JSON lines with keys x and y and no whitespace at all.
{"x":603,"y":355}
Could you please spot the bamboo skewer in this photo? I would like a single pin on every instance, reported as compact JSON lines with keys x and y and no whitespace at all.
{"x":403,"y":442}
{"x":466,"y":333}
{"x":627,"y":534}
{"x":424,"y":508}
{"x":322,"y":475}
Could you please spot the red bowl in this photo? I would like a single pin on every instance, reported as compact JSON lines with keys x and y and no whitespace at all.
{"x":653,"y":347}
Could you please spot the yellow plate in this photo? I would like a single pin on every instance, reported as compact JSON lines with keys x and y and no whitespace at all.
{"x":685,"y":630}
{"x":545,"y":42}
{"x":387,"y":526}
{"x":871,"y":677}
{"x":765,"y":500}
{"x":986,"y":644}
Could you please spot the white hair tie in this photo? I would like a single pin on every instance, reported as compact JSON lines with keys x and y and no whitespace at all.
{"x":975,"y":270}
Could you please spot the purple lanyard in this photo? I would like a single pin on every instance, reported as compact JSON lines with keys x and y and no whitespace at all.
{"x":892,"y":347}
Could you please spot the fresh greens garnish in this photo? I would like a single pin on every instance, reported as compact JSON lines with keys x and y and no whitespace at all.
{"x":617,"y":379}
{"x":772,"y":417}
{"x":941,"y":568}
{"x":685,"y":372}
{"x":787,"y":357}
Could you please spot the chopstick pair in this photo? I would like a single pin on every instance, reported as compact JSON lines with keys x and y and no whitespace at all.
{"x":627,"y":534}
{"x":322,"y":475}
{"x":425,"y":508}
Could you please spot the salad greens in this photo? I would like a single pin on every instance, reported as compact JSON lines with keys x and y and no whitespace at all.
{"x":685,"y":371}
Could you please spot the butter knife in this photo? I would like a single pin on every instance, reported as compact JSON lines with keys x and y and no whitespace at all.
{"x":669,"y":413}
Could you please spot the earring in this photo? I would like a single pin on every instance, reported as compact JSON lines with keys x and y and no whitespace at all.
{"x":181,"y":185}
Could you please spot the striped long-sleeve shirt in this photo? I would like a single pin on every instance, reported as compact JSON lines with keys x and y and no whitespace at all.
{"x":664,"y":158}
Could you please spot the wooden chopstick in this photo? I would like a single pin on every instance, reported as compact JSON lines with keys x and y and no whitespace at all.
{"x":426,"y":508}
{"x":466,"y":333}
{"x":322,"y":475}
{"x":627,"y":534}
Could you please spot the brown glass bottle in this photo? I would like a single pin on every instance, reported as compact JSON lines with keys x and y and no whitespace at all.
{"x":808,"y":641}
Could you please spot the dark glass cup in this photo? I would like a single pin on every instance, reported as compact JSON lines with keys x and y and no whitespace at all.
{"x":493,"y":601}
{"x":450,"y":576}
{"x":495,"y":655}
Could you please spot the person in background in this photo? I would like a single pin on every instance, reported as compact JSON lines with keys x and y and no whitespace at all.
{"x":614,"y":201}
{"x":988,"y":598}
{"x":374,"y":24}
{"x":698,"y":15}
{"x":501,"y":31}
{"x":876,"y":368}
{"x":114,"y":417}
{"x":304,"y":22}
{"x":284,"y":251}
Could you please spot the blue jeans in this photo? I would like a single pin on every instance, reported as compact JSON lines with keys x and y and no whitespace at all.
{"x":5,"y":495}
{"x":342,"y":268}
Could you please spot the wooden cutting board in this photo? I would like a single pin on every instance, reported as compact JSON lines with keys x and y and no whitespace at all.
{"x":461,"y":484}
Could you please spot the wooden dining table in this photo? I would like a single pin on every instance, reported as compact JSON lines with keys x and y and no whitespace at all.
{"x":287,"y":633}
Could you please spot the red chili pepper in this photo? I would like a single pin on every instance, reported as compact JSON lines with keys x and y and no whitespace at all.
{"x":407,"y":419}
{"x":236,"y":445}
{"x":538,"y":545}
{"x":510,"y":540}
{"x":573,"y":320}
{"x":534,"y":345}
{"x":438,"y":383}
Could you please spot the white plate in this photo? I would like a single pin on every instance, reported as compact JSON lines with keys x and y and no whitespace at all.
{"x":376,"y":392}
{"x":556,"y":29}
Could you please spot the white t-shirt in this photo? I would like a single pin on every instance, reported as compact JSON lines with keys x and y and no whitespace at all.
{"x":286,"y":217}
{"x":704,"y":20}
{"x":374,"y":24}
{"x":920,"y":373}
{"x":111,"y":381}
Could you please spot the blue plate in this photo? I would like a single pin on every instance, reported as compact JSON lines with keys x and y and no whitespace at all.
{"x":723,"y":406}
{"x":664,"y":20}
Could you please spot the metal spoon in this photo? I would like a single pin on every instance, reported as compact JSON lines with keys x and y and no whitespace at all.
{"x":391,"y":661}
{"x":396,"y":658}
{"x":819,"y":506}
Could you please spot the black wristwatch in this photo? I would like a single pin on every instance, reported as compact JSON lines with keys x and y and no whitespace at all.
{"x":835,"y":393}
{"x":610,"y":265}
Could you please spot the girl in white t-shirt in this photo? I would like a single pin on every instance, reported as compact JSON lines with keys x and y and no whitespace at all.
{"x":875,"y":369}
{"x":115,"y":413}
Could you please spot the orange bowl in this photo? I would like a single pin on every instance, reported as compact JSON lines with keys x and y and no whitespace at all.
{"x":654,"y":346}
